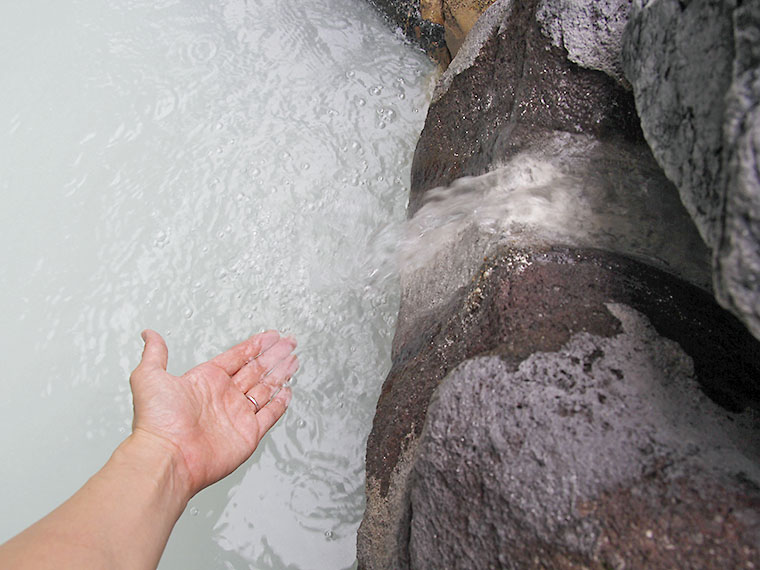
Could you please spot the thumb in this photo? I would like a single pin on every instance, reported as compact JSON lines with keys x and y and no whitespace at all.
{"x":155,"y":354}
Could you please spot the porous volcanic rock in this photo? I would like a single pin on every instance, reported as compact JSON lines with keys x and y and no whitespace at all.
{"x":516,"y":304}
{"x":578,"y":337}
{"x":510,"y":88}
{"x":695,"y":71}
{"x":603,"y":454}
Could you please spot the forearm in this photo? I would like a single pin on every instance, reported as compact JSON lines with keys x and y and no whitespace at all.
{"x":121,"y":518}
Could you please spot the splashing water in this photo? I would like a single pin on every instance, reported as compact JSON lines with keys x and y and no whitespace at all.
{"x":209,"y":170}
{"x":572,"y":192}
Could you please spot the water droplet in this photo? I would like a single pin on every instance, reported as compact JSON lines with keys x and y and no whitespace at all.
{"x":361,"y":102}
{"x":376,"y":89}
{"x":350,"y":74}
{"x":188,"y":313}
{"x":328,"y":534}
{"x":194,"y":511}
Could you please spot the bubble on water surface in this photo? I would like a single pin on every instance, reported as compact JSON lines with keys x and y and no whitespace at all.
{"x":192,"y":107}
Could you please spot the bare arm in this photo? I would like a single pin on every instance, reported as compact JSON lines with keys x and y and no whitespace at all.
{"x":188,"y":432}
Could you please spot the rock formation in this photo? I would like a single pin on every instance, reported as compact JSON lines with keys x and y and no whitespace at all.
{"x":695,"y":70}
{"x":565,"y":392}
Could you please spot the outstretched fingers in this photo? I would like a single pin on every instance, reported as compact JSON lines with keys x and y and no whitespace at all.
{"x":268,"y":415}
{"x":265,"y":363}
{"x":263,"y":391}
{"x":232,"y":360}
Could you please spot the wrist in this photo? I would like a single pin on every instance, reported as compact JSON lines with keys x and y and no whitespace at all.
{"x":158,"y":462}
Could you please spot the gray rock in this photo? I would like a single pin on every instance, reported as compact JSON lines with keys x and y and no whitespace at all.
{"x":584,"y":456}
{"x":694,"y":68}
{"x":678,"y":58}
{"x":737,"y":259}
{"x":590,"y":30}
{"x":523,"y":303}
{"x":631,"y":462}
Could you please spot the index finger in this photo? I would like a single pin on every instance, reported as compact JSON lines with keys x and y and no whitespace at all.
{"x":236,"y":357}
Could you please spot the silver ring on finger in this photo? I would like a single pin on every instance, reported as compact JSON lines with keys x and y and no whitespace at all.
{"x":254,"y":402}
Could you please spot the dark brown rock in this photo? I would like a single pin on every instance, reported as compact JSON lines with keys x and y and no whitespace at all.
{"x":552,"y":404}
{"x":429,"y":35}
{"x":602,"y":454}
{"x":526,"y":303}
{"x":519,"y":89}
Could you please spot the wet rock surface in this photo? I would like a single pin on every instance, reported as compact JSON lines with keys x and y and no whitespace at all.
{"x":528,"y":303}
{"x":599,"y":455}
{"x":438,"y":26}
{"x":553,"y":402}
{"x":428,"y":32}
{"x":695,"y":71}
{"x":509,"y":89}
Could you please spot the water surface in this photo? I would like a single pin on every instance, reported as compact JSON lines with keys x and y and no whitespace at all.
{"x":209,"y":170}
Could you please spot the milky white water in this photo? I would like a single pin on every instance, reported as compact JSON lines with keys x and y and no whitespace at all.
{"x":209,"y":170}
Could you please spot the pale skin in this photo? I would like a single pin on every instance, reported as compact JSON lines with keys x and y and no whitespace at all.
{"x":188,"y":432}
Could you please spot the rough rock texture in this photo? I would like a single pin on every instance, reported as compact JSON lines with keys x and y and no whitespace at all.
{"x":459,"y":17}
{"x":428,"y":33}
{"x":439,"y":26}
{"x":695,"y":70}
{"x":547,"y":309}
{"x":590,"y":30}
{"x":509,"y":89}
{"x":591,"y":457}
{"x":606,"y":414}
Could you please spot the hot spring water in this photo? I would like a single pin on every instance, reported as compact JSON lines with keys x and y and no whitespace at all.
{"x":209,"y":170}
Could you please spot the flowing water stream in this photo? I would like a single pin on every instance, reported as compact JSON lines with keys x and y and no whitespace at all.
{"x":209,"y":170}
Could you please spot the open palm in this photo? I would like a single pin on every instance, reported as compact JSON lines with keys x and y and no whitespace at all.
{"x":214,"y":415}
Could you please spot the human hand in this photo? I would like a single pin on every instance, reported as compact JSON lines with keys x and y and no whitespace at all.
{"x":204,"y":417}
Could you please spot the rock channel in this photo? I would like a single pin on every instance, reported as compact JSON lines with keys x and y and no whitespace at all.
{"x":565,"y":391}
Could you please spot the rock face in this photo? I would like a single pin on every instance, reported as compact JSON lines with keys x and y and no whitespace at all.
{"x":508,"y":90}
{"x":552,"y":404}
{"x":439,"y":26}
{"x":695,"y":71}
{"x":564,"y":462}
{"x":427,"y":31}
{"x":578,"y":422}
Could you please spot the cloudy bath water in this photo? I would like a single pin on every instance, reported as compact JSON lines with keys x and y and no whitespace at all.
{"x":209,"y":170}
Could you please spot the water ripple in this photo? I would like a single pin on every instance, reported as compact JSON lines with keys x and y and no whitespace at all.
{"x":207,"y":169}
